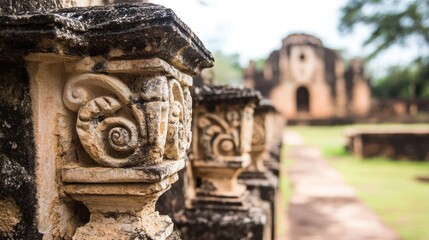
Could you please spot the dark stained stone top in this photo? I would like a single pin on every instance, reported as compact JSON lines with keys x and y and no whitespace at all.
{"x":136,"y":30}
{"x":13,"y":6}
{"x":225,"y":94}
{"x":265,"y":105}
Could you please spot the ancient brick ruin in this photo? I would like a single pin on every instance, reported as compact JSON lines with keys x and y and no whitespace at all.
{"x":308,"y":82}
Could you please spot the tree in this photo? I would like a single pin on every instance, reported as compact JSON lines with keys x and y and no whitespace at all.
{"x":227,"y":69}
{"x":398,"y":82}
{"x":394,"y":22}
{"x":401,"y":82}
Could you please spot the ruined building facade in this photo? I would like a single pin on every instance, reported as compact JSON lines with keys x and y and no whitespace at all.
{"x":307,"y":81}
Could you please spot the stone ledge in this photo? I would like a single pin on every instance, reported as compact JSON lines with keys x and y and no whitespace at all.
{"x":131,"y":30}
{"x":120,"y":190}
{"x":76,"y":174}
{"x":221,"y":94}
{"x":230,"y":162}
{"x":141,"y":66}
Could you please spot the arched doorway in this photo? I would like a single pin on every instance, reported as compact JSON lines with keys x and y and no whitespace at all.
{"x":302,"y":100}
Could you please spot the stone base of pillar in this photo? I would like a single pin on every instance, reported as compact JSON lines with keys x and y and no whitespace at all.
{"x":235,"y":203}
{"x":263,"y":185}
{"x":250,"y":224}
{"x":125,"y":226}
{"x":121,"y":202}
{"x":272,"y":162}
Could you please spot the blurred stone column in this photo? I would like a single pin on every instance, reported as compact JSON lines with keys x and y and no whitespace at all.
{"x":219,"y":207}
{"x":222,"y":133}
{"x":260,"y":181}
{"x":101,"y":118}
{"x":273,"y":160}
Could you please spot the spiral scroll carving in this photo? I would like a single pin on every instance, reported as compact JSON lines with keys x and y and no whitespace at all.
{"x":121,"y":147}
{"x":122,"y":139}
{"x":120,"y":128}
{"x":219,"y":136}
{"x":105,"y":124}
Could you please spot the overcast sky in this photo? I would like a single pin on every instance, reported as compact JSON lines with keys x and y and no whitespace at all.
{"x":255,"y":28}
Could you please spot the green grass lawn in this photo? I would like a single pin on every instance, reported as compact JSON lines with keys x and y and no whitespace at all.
{"x":386,"y":186}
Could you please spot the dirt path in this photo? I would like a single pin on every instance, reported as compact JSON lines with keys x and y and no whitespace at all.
{"x":323,"y":206}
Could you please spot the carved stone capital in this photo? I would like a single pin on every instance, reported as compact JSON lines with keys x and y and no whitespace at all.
{"x":133,"y":121}
{"x":222,"y":136}
{"x":272,"y":159}
{"x":263,"y":132}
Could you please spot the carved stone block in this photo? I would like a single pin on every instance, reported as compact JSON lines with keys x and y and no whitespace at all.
{"x":259,"y":180}
{"x":111,"y":112}
{"x":220,"y":207}
{"x":135,"y":116}
{"x":222,"y":134}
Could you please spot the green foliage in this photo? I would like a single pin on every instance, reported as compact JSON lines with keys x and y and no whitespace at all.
{"x":397,"y":83}
{"x":394,"y":22}
{"x":391,"y":21}
{"x":227,"y":69}
{"x":391,"y":190}
{"x":406,"y":82}
{"x":259,"y":64}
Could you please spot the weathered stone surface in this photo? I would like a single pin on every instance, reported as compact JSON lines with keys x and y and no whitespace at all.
{"x":10,"y":216}
{"x":17,"y":151}
{"x":105,"y":175}
{"x":223,"y":94}
{"x":222,"y":224}
{"x":132,"y":30}
{"x":128,"y":210}
{"x":8,"y":7}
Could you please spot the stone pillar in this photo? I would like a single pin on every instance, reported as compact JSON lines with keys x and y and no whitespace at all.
{"x":222,"y":134}
{"x":273,"y":159}
{"x":111,"y":114}
{"x":260,"y":181}
{"x":361,"y":93}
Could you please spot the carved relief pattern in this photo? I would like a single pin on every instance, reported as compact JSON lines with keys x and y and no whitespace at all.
{"x":258,"y":137}
{"x":247,"y":124}
{"x":118,"y":127}
{"x":179,"y":135}
{"x":220,"y":133}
